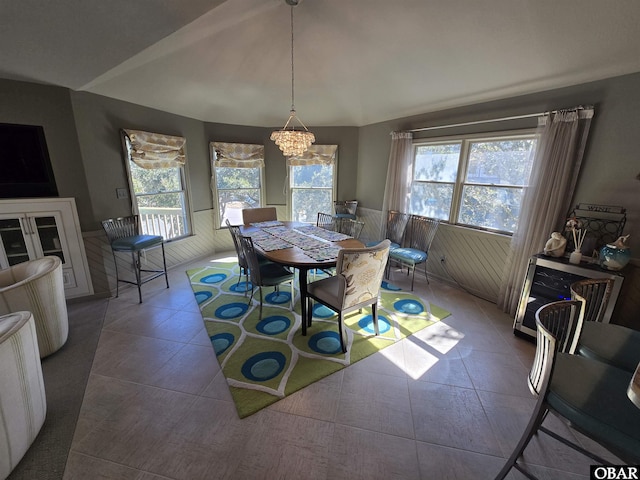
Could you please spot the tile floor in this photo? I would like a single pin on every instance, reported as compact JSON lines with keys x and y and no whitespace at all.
{"x":448,"y":403}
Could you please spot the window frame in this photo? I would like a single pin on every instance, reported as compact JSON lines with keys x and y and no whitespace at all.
{"x":186,"y":192}
{"x":214,"y":174}
{"x":290,"y":188}
{"x":465,"y":141}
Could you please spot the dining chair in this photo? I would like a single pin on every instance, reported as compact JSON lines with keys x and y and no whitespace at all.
{"x":326,"y":221}
{"x":616,"y":345}
{"x":234,"y":230}
{"x":356,"y":284}
{"x":124,"y":235}
{"x":267,"y":274}
{"x":422,"y":231}
{"x":256,"y":215}
{"x":345,"y":208}
{"x":351,"y":227}
{"x":589,"y":395}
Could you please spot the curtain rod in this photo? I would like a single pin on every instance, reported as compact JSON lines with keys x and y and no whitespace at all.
{"x":503,"y":119}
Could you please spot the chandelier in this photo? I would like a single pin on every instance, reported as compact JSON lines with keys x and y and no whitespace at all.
{"x":292,"y":142}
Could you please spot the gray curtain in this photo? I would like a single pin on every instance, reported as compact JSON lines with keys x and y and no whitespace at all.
{"x":547,"y":199}
{"x":397,"y":188}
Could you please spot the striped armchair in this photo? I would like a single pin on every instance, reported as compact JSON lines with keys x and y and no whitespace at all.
{"x":36,"y":286}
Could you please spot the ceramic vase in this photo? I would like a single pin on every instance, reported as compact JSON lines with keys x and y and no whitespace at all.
{"x":614,"y":258}
{"x":575,"y":257}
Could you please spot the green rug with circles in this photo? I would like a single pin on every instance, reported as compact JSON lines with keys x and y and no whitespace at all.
{"x":264,"y":360}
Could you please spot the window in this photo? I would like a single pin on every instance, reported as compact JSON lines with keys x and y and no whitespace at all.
{"x":155,"y":166}
{"x":472,"y":181}
{"x":238,"y":171}
{"x":312,"y":180}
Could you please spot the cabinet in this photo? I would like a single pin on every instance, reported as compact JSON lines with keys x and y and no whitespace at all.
{"x":33,"y":228}
{"x":548,"y":280}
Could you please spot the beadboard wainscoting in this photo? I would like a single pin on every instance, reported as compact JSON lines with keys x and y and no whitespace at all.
{"x":474,"y":259}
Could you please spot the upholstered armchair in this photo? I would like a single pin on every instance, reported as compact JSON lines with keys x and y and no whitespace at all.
{"x":36,"y":286}
{"x":23,"y":404}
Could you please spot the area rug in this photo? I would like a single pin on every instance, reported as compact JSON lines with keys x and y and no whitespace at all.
{"x":266,"y":360}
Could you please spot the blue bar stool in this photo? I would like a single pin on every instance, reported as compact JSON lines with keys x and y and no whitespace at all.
{"x":123,"y":234}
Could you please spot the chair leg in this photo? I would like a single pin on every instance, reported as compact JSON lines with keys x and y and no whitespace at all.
{"x":413,"y":277}
{"x":164,"y":264}
{"x":426,"y":277}
{"x":535,"y":421}
{"x":343,"y":334}
{"x":136,"y":266}
{"x":374,"y":314}
{"x":260,"y":315}
{"x":115,"y":261}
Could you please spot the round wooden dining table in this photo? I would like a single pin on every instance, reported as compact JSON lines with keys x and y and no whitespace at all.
{"x":296,"y":258}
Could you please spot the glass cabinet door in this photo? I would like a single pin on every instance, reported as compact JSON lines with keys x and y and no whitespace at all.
{"x":49,"y":236}
{"x":13,"y":241}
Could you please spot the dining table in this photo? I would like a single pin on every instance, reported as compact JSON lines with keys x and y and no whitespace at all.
{"x":301,"y":246}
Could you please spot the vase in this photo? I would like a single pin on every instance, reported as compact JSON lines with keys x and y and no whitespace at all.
{"x":614,"y":258}
{"x":575,"y":257}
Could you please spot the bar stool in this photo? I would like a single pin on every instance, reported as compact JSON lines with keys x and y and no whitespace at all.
{"x":124,"y":236}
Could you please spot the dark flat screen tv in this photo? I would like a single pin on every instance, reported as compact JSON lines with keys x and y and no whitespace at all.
{"x":25,"y":167}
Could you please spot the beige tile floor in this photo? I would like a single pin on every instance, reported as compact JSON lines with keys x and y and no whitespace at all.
{"x":448,"y":403}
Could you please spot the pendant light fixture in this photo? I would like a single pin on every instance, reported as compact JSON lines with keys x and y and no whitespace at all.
{"x":292,"y":142}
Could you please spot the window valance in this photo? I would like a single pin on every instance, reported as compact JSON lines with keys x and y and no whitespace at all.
{"x":238,"y":155}
{"x":315,"y":155}
{"x":155,"y":150}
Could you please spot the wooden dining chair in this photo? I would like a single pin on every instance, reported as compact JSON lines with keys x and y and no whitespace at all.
{"x":589,"y":395}
{"x":256,"y":215}
{"x":266,"y":274}
{"x":356,"y":284}
{"x":613,"y":344}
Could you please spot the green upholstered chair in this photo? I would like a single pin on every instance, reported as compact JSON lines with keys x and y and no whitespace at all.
{"x":124,"y":235}
{"x":589,"y":395}
{"x":356,"y":284}
{"x":613,"y":344}
{"x":37,"y":286}
{"x":422,"y":231}
{"x":264,"y":274}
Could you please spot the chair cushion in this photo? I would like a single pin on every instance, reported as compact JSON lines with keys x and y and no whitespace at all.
{"x":613,"y":344}
{"x":135,"y":243}
{"x":593,"y":396}
{"x":326,"y":290}
{"x":374,"y":243}
{"x":408,"y":255}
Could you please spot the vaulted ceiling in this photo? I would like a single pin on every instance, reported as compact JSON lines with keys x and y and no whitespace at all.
{"x":357,"y":62}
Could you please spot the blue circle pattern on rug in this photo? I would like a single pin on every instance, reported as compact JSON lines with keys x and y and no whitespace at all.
{"x":241,"y":287}
{"x":231,"y":310}
{"x":273,"y":325}
{"x":390,"y":286}
{"x":278,"y":298}
{"x":214,"y":278}
{"x":320,"y":311}
{"x":366,"y":324}
{"x":409,"y":306}
{"x":264,"y":366}
{"x":327,"y":343}
{"x":202,"y":297}
{"x":221,"y":342}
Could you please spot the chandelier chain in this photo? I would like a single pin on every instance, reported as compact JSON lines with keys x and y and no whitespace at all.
{"x":292,"y":76}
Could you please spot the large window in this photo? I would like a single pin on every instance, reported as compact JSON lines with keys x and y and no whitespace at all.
{"x":155,"y":165}
{"x":312,"y":180}
{"x":472,"y":181}
{"x":238,"y":172}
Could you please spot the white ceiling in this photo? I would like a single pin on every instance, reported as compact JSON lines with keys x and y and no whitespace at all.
{"x":357,"y":62}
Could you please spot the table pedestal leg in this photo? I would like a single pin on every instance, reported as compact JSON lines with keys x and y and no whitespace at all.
{"x":302,"y":278}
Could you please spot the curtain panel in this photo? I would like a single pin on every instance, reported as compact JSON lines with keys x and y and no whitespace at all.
{"x":315,"y":155}
{"x":398,"y":185}
{"x":155,"y":150}
{"x":547,"y":199}
{"x":237,"y":155}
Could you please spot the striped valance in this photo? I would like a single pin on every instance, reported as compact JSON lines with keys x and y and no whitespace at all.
{"x":237,"y":155}
{"x":155,"y":150}
{"x":315,"y":155}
